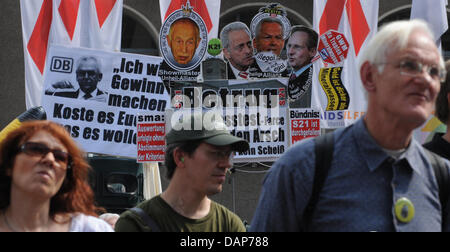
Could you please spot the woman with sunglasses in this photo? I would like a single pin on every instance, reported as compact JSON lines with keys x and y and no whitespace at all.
{"x":43,"y":182}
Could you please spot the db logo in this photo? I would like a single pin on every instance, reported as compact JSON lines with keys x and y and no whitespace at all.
{"x":61,"y":65}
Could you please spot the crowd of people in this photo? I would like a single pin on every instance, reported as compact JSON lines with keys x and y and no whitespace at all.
{"x":371,"y":176}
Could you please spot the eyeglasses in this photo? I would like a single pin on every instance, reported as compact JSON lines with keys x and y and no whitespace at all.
{"x":221,"y":155}
{"x":91,"y":74}
{"x":414,"y":68}
{"x":39,"y":149}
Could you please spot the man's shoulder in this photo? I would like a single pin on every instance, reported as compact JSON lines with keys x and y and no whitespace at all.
{"x":231,"y":221}
{"x":132,"y":221}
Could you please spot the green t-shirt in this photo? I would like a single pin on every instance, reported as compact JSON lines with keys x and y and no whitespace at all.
{"x":219,"y":219}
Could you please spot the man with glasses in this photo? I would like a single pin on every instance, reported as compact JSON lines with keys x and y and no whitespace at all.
{"x":378,"y":178}
{"x":198,"y":156}
{"x":88,"y":75}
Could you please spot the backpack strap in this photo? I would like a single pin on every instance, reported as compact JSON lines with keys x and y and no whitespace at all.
{"x":443,"y":180}
{"x":324,"y":147}
{"x":146,"y":218}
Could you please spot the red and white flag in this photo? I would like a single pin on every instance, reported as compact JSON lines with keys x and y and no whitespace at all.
{"x":357,"y":20}
{"x":435,"y":13}
{"x":209,"y":10}
{"x":92,"y":24}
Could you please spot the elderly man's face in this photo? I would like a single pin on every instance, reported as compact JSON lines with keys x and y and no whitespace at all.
{"x":183,"y":42}
{"x":239,"y":52}
{"x":88,"y":76}
{"x":402,"y":95}
{"x":270,"y":38}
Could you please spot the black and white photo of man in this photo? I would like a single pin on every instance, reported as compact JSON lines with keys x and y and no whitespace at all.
{"x":88,"y":76}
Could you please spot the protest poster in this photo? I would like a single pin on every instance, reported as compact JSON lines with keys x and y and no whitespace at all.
{"x":304,"y":123}
{"x":255,"y":111}
{"x":344,"y":28}
{"x":150,"y":140}
{"x":183,"y":43}
{"x":254,"y":51}
{"x":97,"y":96}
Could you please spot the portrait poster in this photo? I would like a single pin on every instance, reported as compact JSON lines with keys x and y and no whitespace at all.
{"x":254,"y":51}
{"x":97,"y":96}
{"x":183,"y":41}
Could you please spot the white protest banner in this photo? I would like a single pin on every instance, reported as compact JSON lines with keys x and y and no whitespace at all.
{"x":93,"y":24}
{"x":97,"y":96}
{"x":265,"y":129}
{"x":255,"y":111}
{"x":304,"y":123}
{"x":337,"y":89}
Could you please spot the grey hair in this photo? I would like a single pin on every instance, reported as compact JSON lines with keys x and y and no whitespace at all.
{"x":392,"y":37}
{"x":235,"y":26}
{"x":268,"y":20}
{"x":88,"y":58}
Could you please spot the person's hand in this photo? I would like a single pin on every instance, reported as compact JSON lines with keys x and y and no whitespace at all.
{"x":63,"y":85}
{"x":60,"y":86}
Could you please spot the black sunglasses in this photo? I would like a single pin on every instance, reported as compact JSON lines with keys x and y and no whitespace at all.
{"x":39,"y":149}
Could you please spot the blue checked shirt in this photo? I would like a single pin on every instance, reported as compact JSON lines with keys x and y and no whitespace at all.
{"x":359,"y":193}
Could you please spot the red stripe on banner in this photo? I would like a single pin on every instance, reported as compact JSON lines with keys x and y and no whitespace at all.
{"x":68,"y":10}
{"x":358,"y":23}
{"x":199,"y":6}
{"x":331,"y":16}
{"x":104,"y":8}
{"x":37,"y":45}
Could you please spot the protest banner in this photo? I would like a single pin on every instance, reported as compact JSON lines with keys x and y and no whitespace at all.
{"x":255,"y":111}
{"x":337,"y":88}
{"x":91,"y":24}
{"x":304,"y":123}
{"x":97,"y":96}
{"x":150,"y":140}
{"x":183,"y":41}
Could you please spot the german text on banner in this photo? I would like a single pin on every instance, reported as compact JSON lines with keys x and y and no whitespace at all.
{"x":99,"y":97}
{"x":92,"y":24}
{"x":344,"y":27}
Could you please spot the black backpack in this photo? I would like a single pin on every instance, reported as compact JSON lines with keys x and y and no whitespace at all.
{"x":324,"y":147}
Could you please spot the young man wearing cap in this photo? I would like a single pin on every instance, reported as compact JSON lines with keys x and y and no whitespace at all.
{"x":197,"y":162}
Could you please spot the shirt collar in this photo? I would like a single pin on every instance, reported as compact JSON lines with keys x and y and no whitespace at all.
{"x":374,"y":155}
{"x":299,"y":72}
{"x":371,"y":152}
{"x":236,"y":72}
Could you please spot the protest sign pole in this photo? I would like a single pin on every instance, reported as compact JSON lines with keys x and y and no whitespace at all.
{"x":152,"y":185}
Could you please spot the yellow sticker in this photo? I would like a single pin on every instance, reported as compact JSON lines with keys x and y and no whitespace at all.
{"x":331,"y":81}
{"x":404,"y":210}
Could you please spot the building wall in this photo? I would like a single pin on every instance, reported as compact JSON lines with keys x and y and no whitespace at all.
{"x":242,"y":188}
